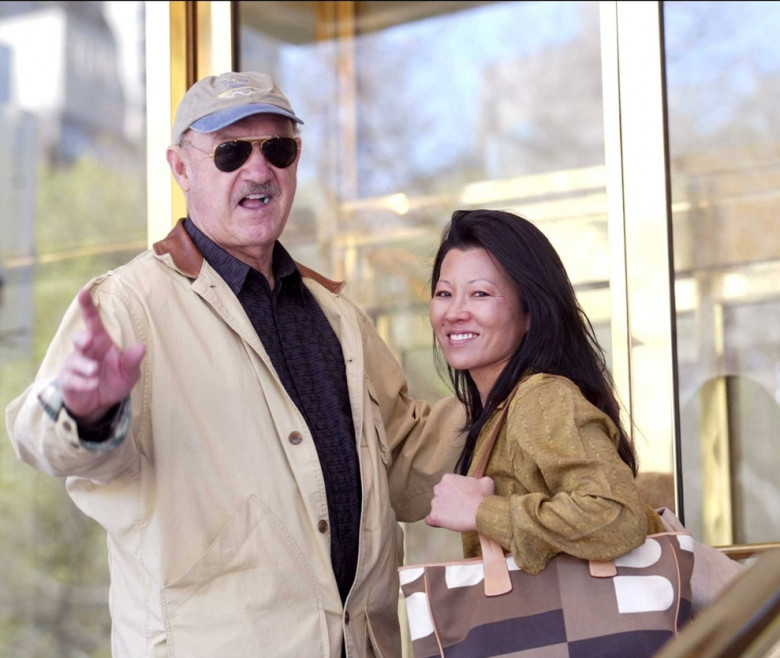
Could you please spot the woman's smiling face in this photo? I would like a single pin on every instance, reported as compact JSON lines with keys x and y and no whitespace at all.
{"x":476,"y":316}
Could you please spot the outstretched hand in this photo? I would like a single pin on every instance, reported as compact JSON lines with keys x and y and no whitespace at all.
{"x":455,"y":502}
{"x":97,"y":374}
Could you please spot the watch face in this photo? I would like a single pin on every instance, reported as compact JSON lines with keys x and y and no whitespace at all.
{"x":51,"y":400}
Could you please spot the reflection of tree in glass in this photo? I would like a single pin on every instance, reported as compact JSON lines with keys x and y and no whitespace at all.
{"x":53,"y":575}
{"x":494,"y":92}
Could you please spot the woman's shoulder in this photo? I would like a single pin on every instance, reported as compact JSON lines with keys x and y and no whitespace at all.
{"x":541,"y":398}
{"x":542,"y":381}
{"x":544,"y":393}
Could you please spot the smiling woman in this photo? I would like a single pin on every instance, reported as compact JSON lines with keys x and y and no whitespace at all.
{"x":506,"y":318}
{"x":477,"y":316}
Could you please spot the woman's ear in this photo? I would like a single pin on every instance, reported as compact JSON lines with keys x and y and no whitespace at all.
{"x":525,"y":315}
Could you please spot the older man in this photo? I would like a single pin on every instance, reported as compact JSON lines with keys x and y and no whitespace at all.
{"x":233,"y":421}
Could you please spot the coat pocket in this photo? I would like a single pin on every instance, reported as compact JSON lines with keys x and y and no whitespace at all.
{"x":250,"y":593}
{"x":378,"y":425}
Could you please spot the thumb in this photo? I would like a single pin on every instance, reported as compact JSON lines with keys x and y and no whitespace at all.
{"x":487,"y":485}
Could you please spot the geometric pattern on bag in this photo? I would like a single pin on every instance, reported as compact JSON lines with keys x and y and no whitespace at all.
{"x":564,"y":611}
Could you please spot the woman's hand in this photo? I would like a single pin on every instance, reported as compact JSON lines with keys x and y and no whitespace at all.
{"x":455,"y":502}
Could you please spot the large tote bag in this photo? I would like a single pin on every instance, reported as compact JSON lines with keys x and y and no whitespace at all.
{"x":481,"y":607}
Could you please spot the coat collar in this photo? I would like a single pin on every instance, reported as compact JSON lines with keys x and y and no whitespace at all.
{"x":178,"y":245}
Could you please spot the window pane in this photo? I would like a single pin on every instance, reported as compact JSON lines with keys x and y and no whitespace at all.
{"x":72,"y":205}
{"x":416,"y":109}
{"x":723,"y":74}
{"x":429,"y":107}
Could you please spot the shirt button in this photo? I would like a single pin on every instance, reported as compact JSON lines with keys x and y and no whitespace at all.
{"x":322,"y":526}
{"x":67,"y":426}
{"x":295,"y":438}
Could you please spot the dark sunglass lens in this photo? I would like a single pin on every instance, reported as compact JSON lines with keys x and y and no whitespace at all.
{"x":231,"y":155}
{"x":280,"y":151}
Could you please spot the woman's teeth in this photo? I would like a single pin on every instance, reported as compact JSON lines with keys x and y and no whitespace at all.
{"x":464,"y":336}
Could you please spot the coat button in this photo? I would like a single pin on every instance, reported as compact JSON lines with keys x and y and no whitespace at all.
{"x":346,"y":616}
{"x":295,"y":438}
{"x":322,"y":526}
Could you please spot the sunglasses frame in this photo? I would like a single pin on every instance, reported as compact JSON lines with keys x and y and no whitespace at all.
{"x":261,"y":141}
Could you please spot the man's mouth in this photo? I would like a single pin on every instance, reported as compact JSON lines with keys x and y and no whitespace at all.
{"x":262,"y":198}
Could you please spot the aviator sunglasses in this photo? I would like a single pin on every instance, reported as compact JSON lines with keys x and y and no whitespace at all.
{"x":229,"y":156}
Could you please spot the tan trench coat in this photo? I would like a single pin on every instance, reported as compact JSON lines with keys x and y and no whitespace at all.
{"x":215,"y":510}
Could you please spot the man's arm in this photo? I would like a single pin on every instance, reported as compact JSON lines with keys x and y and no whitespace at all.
{"x":424,"y":440}
{"x":84,"y":382}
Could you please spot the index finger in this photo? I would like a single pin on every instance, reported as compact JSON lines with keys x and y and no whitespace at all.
{"x":89,"y":312}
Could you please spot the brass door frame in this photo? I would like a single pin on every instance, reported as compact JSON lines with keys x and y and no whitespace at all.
{"x":197,"y":39}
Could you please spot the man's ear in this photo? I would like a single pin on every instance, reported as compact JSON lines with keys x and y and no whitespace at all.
{"x":178,"y":167}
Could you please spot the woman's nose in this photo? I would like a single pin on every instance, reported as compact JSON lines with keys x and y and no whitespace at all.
{"x":457,"y":309}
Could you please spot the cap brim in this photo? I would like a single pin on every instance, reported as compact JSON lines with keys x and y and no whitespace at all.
{"x":224,"y":118}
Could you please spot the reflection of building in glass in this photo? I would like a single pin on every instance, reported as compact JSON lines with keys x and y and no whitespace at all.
{"x":5,"y":73}
{"x":71,"y":85}
{"x":17,"y":203}
{"x":74,"y":84}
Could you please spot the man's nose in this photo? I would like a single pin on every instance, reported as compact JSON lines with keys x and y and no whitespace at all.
{"x":257,"y":159}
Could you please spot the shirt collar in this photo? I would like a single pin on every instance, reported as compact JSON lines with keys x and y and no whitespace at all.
{"x":235,"y":271}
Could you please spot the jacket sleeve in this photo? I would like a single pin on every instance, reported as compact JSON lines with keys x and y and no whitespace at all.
{"x":571,"y":492}
{"x":48,"y":439}
{"x":423,"y":441}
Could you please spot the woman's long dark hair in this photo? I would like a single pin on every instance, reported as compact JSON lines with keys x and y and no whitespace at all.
{"x":560,"y":338}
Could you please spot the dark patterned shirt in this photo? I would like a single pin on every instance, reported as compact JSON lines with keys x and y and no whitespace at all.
{"x":307,"y":357}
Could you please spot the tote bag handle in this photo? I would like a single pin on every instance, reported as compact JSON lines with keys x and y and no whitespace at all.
{"x":497,"y":579}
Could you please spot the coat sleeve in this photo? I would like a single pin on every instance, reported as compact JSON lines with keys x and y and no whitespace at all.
{"x":570,"y":492}
{"x":51,"y":444}
{"x":424,"y":440}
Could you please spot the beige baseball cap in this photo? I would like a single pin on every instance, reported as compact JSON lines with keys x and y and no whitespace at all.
{"x":217,"y":101}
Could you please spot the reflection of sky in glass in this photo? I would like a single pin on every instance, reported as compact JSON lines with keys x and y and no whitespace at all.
{"x":420,"y":85}
{"x":462,"y":44}
{"x":720,"y":57}
{"x":722,"y":33}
